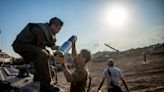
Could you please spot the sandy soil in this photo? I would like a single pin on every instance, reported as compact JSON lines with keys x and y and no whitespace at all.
{"x":140,"y":77}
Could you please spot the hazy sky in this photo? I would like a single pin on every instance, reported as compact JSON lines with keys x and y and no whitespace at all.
{"x":123,"y":24}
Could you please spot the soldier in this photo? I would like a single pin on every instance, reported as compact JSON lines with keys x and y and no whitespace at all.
{"x":80,"y":76}
{"x":144,"y":56}
{"x":30,"y":44}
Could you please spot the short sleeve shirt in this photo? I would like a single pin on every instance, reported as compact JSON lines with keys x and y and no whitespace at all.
{"x":116,"y":75}
{"x":79,"y":84}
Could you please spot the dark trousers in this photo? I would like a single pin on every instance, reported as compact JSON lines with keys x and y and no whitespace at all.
{"x":39,"y":58}
{"x":114,"y":89}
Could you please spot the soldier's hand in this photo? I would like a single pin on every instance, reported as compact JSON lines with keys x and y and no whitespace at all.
{"x":45,"y":51}
{"x":54,"y":47}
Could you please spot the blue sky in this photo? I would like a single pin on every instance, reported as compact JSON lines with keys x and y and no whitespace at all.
{"x":86,"y":19}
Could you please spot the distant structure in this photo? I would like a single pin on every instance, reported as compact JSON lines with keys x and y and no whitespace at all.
{"x":157,"y":49}
{"x":5,"y":58}
{"x":111,"y":47}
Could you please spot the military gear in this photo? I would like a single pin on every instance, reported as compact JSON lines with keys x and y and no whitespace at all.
{"x":30,"y":44}
{"x":80,"y":82}
{"x":37,"y":34}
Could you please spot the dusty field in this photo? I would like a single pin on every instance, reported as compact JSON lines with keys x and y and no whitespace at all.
{"x":139,"y":77}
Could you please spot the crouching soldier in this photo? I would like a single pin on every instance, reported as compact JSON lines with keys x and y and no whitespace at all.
{"x":31,"y":43}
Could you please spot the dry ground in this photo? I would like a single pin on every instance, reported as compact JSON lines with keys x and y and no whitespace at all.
{"x":140,"y":77}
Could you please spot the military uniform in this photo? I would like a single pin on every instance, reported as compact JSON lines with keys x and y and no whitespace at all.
{"x":79,"y":84}
{"x":30,"y":44}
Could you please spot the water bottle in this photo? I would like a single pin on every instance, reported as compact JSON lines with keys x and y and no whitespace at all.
{"x":65,"y":47}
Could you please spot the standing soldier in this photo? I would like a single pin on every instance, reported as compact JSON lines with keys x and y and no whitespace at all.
{"x":144,"y":56}
{"x":80,"y":76}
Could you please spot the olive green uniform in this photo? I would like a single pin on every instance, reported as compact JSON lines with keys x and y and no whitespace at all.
{"x":80,"y":83}
{"x":30,"y":44}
